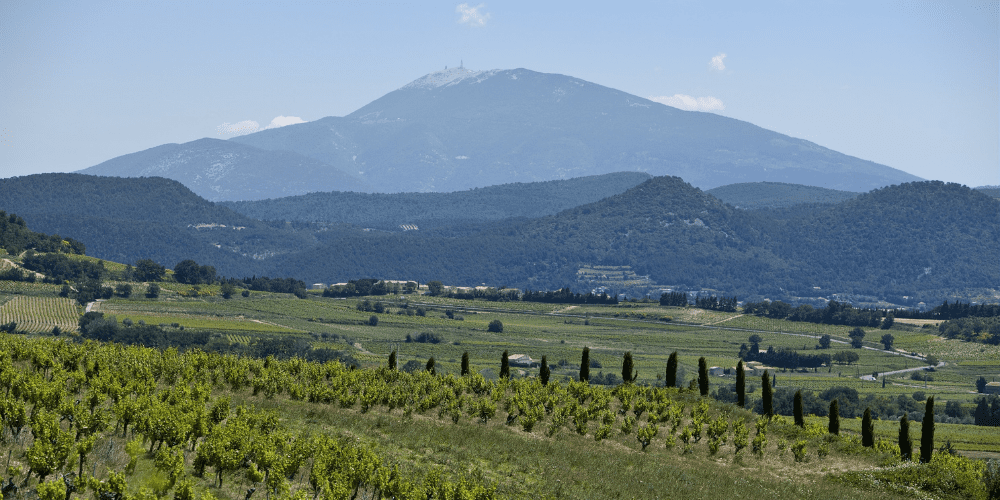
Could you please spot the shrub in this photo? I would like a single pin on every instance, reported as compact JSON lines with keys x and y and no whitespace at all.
{"x":495,"y":326}
{"x":373,"y":320}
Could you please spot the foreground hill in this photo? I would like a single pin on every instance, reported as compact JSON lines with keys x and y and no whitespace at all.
{"x":458,"y":129}
{"x":428,"y":210}
{"x":129,"y":219}
{"x":752,"y":195}
{"x":222,"y":170}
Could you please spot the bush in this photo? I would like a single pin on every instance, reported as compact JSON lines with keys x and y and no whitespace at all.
{"x":425,"y":338}
{"x":373,"y":320}
{"x":495,"y":326}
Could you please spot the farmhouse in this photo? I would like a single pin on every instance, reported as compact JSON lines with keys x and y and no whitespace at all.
{"x":521,"y":360}
{"x":992,"y":388}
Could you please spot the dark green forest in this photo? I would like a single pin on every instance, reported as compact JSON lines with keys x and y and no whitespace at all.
{"x":754,"y":195}
{"x":924,"y":240}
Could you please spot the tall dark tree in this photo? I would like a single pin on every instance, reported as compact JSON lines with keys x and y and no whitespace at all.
{"x":585,"y":365}
{"x":834,"y":426}
{"x":543,"y":372}
{"x":857,"y":336}
{"x":465,"y":363}
{"x":905,"y":443}
{"x":927,"y":432}
{"x":767,"y":393}
{"x":887,"y":341}
{"x":147,"y":270}
{"x":392,"y":360}
{"x":741,"y":385}
{"x":824,"y":341}
{"x":671,"y":376}
{"x":797,"y":404}
{"x":888,"y":321}
{"x":430,"y":365}
{"x":867,"y":429}
{"x":703,"y":376}
{"x":628,"y":373}
{"x":505,"y":365}
{"x":981,"y":385}
{"x":774,"y":380}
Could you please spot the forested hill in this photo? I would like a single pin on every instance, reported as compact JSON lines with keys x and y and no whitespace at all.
{"x":752,"y":195}
{"x":429,"y":210}
{"x":129,"y":219}
{"x":15,"y":237}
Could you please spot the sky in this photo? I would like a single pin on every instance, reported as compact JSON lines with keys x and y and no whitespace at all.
{"x":909,"y":84}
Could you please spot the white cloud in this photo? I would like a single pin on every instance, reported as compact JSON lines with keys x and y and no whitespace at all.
{"x":281,"y":121}
{"x":690,"y":103}
{"x":717,"y":62}
{"x":239,"y":128}
{"x":472,"y":15}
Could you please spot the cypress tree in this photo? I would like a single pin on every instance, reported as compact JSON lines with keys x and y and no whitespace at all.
{"x":927,"y":432}
{"x":543,"y":372}
{"x":799,"y":417}
{"x":774,"y":380}
{"x":465,"y":363}
{"x":392,"y":360}
{"x":505,"y":365}
{"x":867,"y":429}
{"x":430,"y":366}
{"x":905,"y":443}
{"x":671,"y":378}
{"x":703,"y":376}
{"x":834,"y":426}
{"x":741,"y":385}
{"x":628,"y":374}
{"x":767,"y":394}
{"x":585,"y":365}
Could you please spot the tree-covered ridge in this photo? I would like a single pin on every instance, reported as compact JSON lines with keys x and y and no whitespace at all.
{"x":15,"y":237}
{"x":753,"y":195}
{"x":429,"y":210}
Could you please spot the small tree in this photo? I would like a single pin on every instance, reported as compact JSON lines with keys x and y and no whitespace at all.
{"x":767,"y":394}
{"x":824,"y":342}
{"x":799,"y":416}
{"x":981,"y":385}
{"x":857,"y":336}
{"x":888,"y":321}
{"x":741,"y":385}
{"x":905,"y":443}
{"x":671,"y":376}
{"x":505,"y":365}
{"x":495,"y":326}
{"x":392,"y":360}
{"x":887,"y":341}
{"x":834,"y":426}
{"x":435,"y":287}
{"x":703,"y":376}
{"x":628,"y":374}
{"x":373,"y":320}
{"x":585,"y":365}
{"x":867,"y":429}
{"x":465,"y":363}
{"x":227,"y":289}
{"x":931,"y":360}
{"x":153,"y":291}
{"x":430,"y":366}
{"x":927,"y":432}
{"x":543,"y":372}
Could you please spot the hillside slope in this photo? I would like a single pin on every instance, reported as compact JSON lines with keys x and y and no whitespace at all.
{"x":223,"y":170}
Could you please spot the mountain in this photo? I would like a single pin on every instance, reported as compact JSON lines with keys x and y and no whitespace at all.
{"x":430,"y":210}
{"x":752,"y":195}
{"x":222,"y":170}
{"x":129,"y":219}
{"x":459,"y":129}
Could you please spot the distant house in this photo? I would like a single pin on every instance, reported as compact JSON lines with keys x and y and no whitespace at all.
{"x":521,"y":360}
{"x":317,"y":286}
{"x":992,"y":388}
{"x":717,"y":371}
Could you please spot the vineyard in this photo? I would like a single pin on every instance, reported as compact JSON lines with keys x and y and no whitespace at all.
{"x":40,"y":314}
{"x":195,"y":425}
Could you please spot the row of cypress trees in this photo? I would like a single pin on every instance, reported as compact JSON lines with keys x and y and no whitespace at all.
{"x":629,"y":374}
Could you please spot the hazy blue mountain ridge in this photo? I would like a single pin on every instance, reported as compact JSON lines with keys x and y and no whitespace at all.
{"x":223,"y":170}
{"x":431,"y":210}
{"x":459,"y":129}
{"x":754,"y":195}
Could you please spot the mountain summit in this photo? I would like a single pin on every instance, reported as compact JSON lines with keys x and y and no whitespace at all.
{"x":459,"y":129}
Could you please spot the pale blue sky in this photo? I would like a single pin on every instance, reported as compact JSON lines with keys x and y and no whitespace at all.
{"x":912,"y":85}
